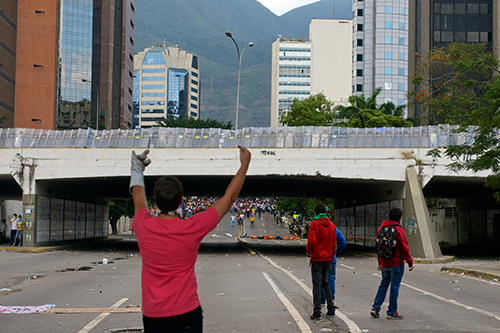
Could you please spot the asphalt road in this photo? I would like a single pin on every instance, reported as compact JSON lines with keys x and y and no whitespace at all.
{"x":261,"y":286}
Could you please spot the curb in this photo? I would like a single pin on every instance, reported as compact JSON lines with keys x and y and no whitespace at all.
{"x":473,"y":272}
{"x":440,"y":260}
{"x":31,"y":250}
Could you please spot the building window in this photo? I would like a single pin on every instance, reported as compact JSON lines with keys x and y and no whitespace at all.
{"x":388,"y":86}
{"x":472,"y":36}
{"x":388,"y":55}
{"x":359,"y":42}
{"x":359,"y":87}
{"x":194,"y":90}
{"x":194,"y":98}
{"x":388,"y":9}
{"x":402,"y":11}
{"x":401,"y":56}
{"x":194,"y":106}
{"x":401,"y":41}
{"x":401,"y":71}
{"x":360,"y":12}
{"x":388,"y":71}
{"x":154,"y":58}
{"x":153,"y":78}
{"x":132,"y":24}
{"x":359,"y":57}
{"x":194,"y":82}
{"x":388,"y":40}
{"x":401,"y":86}
{"x":359,"y":72}
{"x":131,"y":41}
{"x":360,"y":27}
{"x":194,"y":74}
{"x":401,"y":101}
{"x":388,"y":25}
{"x":401,"y":26}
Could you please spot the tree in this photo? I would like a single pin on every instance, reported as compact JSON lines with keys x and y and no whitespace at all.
{"x":377,"y":118}
{"x":192,"y":122}
{"x":315,"y":110}
{"x":304,"y":206}
{"x":117,"y":209}
{"x":358,"y":103}
{"x":451,"y":81}
{"x":483,"y":153}
{"x":2,"y":118}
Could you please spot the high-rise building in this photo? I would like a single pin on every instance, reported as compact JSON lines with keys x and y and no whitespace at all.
{"x":436,"y":23}
{"x":8,"y":32}
{"x":291,"y":75}
{"x":331,"y":59}
{"x":74,"y":65}
{"x":380,"y":49}
{"x":166,"y":85}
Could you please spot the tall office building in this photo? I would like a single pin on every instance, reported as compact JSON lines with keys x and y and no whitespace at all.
{"x":331,"y":59}
{"x":380,"y":49}
{"x":436,"y":23}
{"x":166,"y":85}
{"x":74,"y":64}
{"x":291,"y":75}
{"x":8,"y":32}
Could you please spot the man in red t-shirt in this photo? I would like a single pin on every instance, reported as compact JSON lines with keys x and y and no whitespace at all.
{"x":169,"y":247}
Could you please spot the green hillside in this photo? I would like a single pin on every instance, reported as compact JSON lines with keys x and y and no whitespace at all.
{"x":199,"y":26}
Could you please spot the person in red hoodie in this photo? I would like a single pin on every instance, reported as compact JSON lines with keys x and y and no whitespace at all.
{"x":392,"y":269}
{"x":321,"y":245}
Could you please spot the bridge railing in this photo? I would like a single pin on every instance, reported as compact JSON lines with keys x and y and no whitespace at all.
{"x":250,"y":137}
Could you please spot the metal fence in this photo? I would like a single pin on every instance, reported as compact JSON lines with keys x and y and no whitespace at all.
{"x":250,"y":137}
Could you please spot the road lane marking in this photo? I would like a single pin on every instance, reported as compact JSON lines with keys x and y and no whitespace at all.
{"x":451,"y":301}
{"x":353,"y":328}
{"x":347,"y":266}
{"x":291,"y":309}
{"x":100,"y":317}
{"x":93,"y":310}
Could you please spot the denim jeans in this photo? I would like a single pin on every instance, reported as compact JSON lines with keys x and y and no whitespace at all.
{"x":331,"y":282}
{"x":19,"y":237}
{"x":390,"y":276}
{"x":319,"y":273}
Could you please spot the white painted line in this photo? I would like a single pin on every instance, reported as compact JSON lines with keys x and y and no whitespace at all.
{"x":100,"y":317}
{"x":346,"y":266}
{"x":293,"y":311}
{"x":353,"y":328}
{"x":451,"y":301}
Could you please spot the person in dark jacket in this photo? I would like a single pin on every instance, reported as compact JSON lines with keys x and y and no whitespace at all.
{"x":321,"y":246}
{"x":392,"y":269}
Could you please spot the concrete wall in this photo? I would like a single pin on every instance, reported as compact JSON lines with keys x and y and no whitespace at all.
{"x":9,"y":208}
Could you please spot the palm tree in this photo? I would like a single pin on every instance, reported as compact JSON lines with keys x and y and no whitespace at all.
{"x":357,"y":103}
{"x":392,"y":110}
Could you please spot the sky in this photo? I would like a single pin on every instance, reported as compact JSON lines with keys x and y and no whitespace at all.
{"x":280,"y":7}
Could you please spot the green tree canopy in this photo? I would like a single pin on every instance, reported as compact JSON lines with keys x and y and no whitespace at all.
{"x":377,"y":118}
{"x":358,"y":103}
{"x":451,"y":82}
{"x":192,"y":122}
{"x":315,"y":110}
{"x":304,"y":206}
{"x":119,"y":208}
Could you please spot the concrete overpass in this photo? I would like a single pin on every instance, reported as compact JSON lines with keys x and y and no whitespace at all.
{"x":354,"y":166}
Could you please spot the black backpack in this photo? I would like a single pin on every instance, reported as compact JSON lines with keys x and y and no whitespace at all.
{"x":386,"y":242}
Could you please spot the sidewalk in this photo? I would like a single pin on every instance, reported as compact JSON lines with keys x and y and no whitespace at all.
{"x":484,"y":268}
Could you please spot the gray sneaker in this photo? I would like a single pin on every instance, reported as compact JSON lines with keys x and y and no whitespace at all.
{"x":374,"y":313}
{"x":395,"y":316}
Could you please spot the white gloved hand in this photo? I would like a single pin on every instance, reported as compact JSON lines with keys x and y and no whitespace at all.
{"x":139,"y":163}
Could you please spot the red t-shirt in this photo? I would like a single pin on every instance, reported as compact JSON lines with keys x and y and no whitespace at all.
{"x":169,"y":249}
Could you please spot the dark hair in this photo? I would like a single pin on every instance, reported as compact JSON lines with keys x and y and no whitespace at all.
{"x":320,"y":209}
{"x":395,"y":214}
{"x":168,"y":194}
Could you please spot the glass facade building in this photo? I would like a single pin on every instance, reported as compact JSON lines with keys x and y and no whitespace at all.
{"x":436,"y":23}
{"x":75,"y":64}
{"x":166,"y":85}
{"x":380,"y":49}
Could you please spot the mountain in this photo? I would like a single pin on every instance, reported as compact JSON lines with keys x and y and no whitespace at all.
{"x":199,"y":26}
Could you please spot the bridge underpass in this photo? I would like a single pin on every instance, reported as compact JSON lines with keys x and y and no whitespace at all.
{"x":353,"y":177}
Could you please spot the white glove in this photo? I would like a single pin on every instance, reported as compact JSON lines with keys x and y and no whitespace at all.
{"x":139,"y":163}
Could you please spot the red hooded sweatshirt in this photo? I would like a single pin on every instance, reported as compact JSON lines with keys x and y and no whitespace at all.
{"x":322,"y":240}
{"x":402,"y":250}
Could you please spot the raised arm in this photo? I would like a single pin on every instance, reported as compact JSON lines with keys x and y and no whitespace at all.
{"x":137,"y":187}
{"x":233,"y":189}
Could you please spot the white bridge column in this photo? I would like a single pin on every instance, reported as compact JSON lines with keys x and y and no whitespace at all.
{"x":25,"y":177}
{"x":416,"y":220}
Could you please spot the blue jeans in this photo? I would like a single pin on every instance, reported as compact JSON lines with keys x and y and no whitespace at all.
{"x":390,"y":276}
{"x":19,"y":237}
{"x":319,"y":273}
{"x":331,"y":282}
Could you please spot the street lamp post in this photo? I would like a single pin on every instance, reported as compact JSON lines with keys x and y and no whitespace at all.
{"x":228,"y":34}
{"x":97,"y":113}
